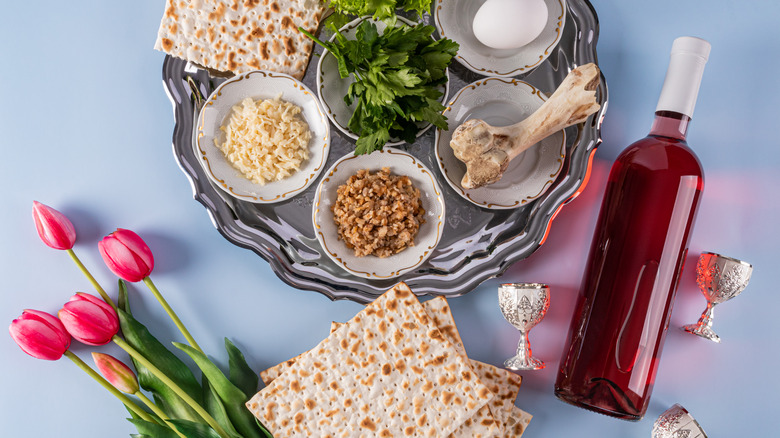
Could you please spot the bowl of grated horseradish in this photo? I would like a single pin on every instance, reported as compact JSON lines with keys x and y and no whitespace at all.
{"x":262,"y":137}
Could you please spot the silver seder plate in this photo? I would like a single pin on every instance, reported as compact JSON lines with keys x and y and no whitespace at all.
{"x":476,"y":244}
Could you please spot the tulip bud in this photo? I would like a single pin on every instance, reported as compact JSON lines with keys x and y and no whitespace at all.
{"x":40,"y":335}
{"x":89,"y":319}
{"x":53,"y":227}
{"x":116,"y":372}
{"x":127,"y":255}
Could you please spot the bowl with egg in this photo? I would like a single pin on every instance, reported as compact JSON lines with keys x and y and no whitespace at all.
{"x":501,"y":38}
{"x":378,"y":216}
{"x":262,"y":137}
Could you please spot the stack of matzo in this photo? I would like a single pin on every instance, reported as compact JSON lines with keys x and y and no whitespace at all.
{"x":398,"y":368}
{"x":241,"y":35}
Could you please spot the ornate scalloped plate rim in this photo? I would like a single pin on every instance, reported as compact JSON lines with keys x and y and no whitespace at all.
{"x":329,"y":245}
{"x":323,"y":144}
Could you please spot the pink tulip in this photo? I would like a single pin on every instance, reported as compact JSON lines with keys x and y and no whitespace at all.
{"x":116,"y":372}
{"x":127,"y":255}
{"x":40,"y":335}
{"x":53,"y":227}
{"x":89,"y":319}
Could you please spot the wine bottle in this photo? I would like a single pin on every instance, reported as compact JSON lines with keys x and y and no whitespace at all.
{"x":639,"y":246}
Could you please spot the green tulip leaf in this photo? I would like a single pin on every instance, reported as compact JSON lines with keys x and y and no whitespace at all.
{"x":147,"y":429}
{"x":241,"y":374}
{"x":122,"y":299}
{"x":136,"y":417}
{"x":138,"y":336}
{"x":262,"y":428}
{"x":132,"y":414}
{"x":191,"y":429}
{"x":214,"y":406}
{"x":232,"y":397}
{"x":173,"y":406}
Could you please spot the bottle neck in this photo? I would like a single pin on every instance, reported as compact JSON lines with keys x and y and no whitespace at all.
{"x":683,"y":77}
{"x":670,"y":124}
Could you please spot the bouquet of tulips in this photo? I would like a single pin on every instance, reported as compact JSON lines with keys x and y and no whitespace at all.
{"x":182,"y":406}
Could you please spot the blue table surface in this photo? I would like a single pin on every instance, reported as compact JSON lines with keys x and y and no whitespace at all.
{"x":87,"y":126}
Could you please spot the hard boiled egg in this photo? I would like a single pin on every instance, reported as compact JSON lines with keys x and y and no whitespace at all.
{"x":509,"y":24}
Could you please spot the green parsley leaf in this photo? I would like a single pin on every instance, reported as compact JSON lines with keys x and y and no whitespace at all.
{"x":419,"y":6}
{"x":367,"y":143}
{"x":380,"y":9}
{"x":397,"y":79}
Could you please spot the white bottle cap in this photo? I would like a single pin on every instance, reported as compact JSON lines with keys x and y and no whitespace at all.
{"x":681,"y":86}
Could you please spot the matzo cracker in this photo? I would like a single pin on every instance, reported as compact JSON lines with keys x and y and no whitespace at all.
{"x":241,"y":35}
{"x":387,"y":372}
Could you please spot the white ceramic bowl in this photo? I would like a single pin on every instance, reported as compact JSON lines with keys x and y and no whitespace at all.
{"x":332,"y":88}
{"x":372,"y":267}
{"x":454,"y":20}
{"x":260,"y":84}
{"x":501,"y":102}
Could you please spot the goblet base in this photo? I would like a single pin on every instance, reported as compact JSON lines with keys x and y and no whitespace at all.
{"x":703,"y":331}
{"x":518,"y":363}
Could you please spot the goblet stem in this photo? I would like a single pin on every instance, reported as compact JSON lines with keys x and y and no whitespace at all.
{"x":524,"y":360}
{"x":703,"y":327}
{"x":523,"y":345}
{"x":706,"y":317}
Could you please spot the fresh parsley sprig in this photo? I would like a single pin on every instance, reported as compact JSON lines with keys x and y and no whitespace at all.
{"x":379,"y":9}
{"x":397,"y":78}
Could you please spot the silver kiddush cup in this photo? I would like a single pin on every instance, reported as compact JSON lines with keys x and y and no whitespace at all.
{"x":720,"y":279}
{"x":523,"y":305}
{"x":677,"y":422}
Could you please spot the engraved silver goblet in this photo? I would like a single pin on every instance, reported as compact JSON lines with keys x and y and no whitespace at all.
{"x":523,"y":305}
{"x":720,"y":279}
{"x":677,"y":422}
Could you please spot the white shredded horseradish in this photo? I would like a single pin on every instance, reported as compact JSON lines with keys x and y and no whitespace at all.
{"x":266,"y":140}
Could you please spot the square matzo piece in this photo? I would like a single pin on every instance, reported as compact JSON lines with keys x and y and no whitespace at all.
{"x":369,"y":379}
{"x":502,"y":383}
{"x":241,"y":35}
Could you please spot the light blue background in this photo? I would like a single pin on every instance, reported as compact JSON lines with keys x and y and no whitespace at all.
{"x":86,"y":128}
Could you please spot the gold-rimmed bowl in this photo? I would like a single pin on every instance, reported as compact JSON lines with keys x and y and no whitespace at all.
{"x":372,"y":267}
{"x":332,"y":88}
{"x":453,"y":20}
{"x":260,"y":84}
{"x":501,"y":102}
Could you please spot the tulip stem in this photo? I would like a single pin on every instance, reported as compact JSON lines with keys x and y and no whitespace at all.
{"x":123,"y":398}
{"x":91,"y":279}
{"x":171,"y":384}
{"x":141,"y":396}
{"x":172,"y":314}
